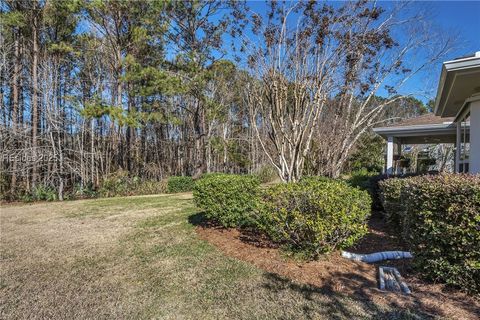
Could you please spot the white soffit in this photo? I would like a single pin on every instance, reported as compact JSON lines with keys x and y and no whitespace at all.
{"x":459,"y":80}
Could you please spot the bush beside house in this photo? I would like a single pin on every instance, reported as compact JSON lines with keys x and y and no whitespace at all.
{"x":390,"y":197}
{"x":439,"y":218}
{"x":371,"y":182}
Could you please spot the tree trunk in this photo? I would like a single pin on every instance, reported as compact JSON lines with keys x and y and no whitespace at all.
{"x":130,"y":132}
{"x":15,"y":94}
{"x":35,"y":109}
{"x":199,"y":125}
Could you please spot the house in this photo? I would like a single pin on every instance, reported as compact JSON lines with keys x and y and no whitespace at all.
{"x":456,"y":117}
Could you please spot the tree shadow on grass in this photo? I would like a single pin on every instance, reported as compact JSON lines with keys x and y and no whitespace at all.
{"x":361,"y":292}
{"x":198,"y":219}
{"x":340,"y":283}
{"x":336,"y":305}
{"x":247,"y":234}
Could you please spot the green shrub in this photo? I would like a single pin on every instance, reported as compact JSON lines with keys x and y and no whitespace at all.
{"x":368,"y":181}
{"x":315,"y":179}
{"x":209,"y":174}
{"x":26,"y":197}
{"x":43,"y":193}
{"x":376,"y":192}
{"x":84,"y":192}
{"x":18,"y":193}
{"x":227,"y":198}
{"x":177,"y":184}
{"x":22,"y":193}
{"x":314,"y":216}
{"x":442,"y":227}
{"x":390,"y":195}
{"x":362,"y":179}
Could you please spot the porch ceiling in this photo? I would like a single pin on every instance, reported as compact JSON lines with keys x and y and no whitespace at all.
{"x":459,"y":80}
{"x":421,"y":134}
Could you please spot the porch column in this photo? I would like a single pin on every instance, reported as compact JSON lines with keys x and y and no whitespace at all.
{"x":474,"y":136}
{"x":458,"y":146}
{"x":390,"y":155}
{"x":399,"y":152}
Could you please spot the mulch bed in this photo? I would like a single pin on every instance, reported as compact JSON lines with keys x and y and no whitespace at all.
{"x":333,"y":273}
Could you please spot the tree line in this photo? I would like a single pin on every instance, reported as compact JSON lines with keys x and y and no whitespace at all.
{"x":161,"y":88}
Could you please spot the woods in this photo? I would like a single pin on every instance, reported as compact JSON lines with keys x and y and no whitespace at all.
{"x":161,"y":88}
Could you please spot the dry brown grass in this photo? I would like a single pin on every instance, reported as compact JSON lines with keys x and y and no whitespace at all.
{"x":69,"y":259}
{"x":139,"y":257}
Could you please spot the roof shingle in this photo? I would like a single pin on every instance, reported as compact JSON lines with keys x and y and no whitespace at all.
{"x":425,"y":119}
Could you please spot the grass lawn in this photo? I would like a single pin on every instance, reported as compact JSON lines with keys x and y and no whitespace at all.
{"x":140,"y":257}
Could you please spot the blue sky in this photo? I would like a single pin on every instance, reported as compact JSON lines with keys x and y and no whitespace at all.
{"x":459,"y":18}
{"x":453,"y":17}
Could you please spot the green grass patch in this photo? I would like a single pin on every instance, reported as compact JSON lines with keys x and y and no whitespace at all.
{"x":140,"y":258}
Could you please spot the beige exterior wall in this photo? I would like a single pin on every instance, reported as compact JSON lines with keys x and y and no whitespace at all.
{"x":475,"y":136}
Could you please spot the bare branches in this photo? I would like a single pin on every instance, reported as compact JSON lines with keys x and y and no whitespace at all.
{"x":344,"y":58}
{"x":145,"y":86}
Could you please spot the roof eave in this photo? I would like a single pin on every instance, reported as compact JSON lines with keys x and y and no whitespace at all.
{"x":415,"y":129}
{"x":441,"y":84}
{"x":449,"y":68}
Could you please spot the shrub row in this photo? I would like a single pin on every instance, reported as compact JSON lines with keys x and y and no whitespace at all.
{"x":176,"y":184}
{"x":362,"y":179}
{"x":369,"y":181}
{"x":119,"y":183}
{"x":390,"y":196}
{"x":226,"y":198}
{"x":439,"y":218}
{"x":314,"y":216}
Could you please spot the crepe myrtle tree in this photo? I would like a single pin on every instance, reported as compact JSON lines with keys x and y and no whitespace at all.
{"x":318,"y":71}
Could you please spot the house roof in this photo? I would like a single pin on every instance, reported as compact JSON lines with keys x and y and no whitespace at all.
{"x":424,"y":129}
{"x":459,"y":81}
{"x":425,"y":119}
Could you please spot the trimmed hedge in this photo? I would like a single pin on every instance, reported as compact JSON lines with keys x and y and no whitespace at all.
{"x":314,"y":216}
{"x":176,"y":184}
{"x":390,"y":196}
{"x":227,"y":198}
{"x":307,"y":179}
{"x":440,"y":221}
{"x":362,"y":179}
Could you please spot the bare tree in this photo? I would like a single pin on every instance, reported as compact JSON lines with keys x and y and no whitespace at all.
{"x":322,"y":76}
{"x":104,"y":87}
{"x":294,"y":81}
